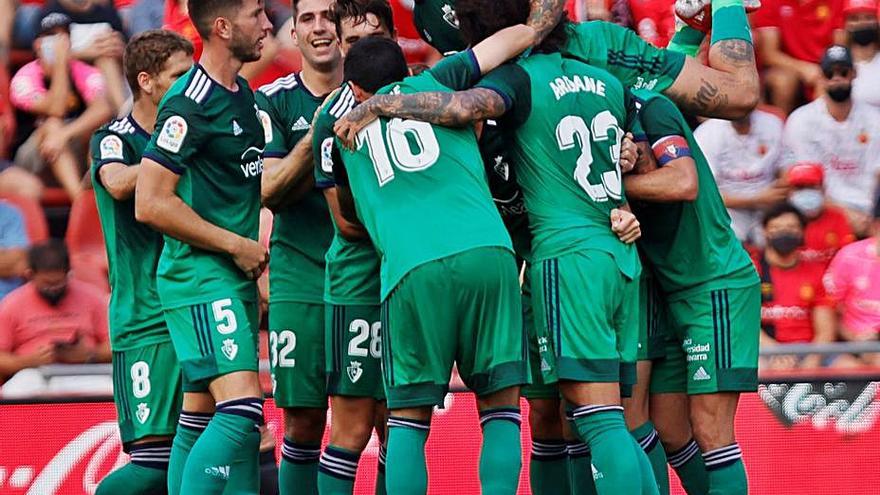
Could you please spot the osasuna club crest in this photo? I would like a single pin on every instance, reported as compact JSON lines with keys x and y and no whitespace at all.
{"x":355,"y":371}
{"x":230,"y":349}
{"x":143,"y":412}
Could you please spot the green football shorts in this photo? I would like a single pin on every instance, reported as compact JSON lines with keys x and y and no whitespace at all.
{"x":214,"y":339}
{"x":147,"y":390}
{"x":653,"y":317}
{"x":354,"y":351}
{"x":537,"y":389}
{"x":586,"y":308}
{"x":296,"y":354}
{"x":713,"y":346}
{"x":463,"y":309}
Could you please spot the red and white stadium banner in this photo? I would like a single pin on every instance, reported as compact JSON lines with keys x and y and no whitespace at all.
{"x":798,"y":439}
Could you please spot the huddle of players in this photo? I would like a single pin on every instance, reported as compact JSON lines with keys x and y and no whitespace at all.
{"x":413,"y":269}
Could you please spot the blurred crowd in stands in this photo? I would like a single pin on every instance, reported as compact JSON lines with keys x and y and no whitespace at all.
{"x":799,"y":175}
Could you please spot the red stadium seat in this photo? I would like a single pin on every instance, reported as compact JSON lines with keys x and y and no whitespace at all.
{"x":55,"y":196}
{"x":85,"y":240}
{"x":34,"y":217}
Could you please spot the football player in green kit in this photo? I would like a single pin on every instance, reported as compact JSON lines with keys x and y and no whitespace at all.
{"x":714,"y":301}
{"x":438,"y":25}
{"x":491,"y":363}
{"x":301,"y":235}
{"x":146,"y":377}
{"x":199,"y":185}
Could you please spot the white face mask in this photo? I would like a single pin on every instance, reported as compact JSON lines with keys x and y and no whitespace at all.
{"x":808,"y":201}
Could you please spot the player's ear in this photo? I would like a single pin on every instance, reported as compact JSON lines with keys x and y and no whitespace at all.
{"x":360,"y":94}
{"x":222,"y":28}
{"x":145,"y":81}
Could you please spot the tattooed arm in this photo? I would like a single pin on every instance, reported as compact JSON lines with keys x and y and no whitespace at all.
{"x":447,"y":109}
{"x":543,"y":17}
{"x":728,"y":89}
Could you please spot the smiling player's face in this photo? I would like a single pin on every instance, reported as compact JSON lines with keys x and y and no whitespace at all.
{"x":313,"y":33}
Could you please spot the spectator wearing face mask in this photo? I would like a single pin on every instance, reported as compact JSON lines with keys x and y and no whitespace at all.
{"x":853,"y":282}
{"x":864,"y":43}
{"x":841,"y":134}
{"x":827,"y":228}
{"x":52,"y":318}
{"x":794,"y":306}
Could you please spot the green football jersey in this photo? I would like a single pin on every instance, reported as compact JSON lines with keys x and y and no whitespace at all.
{"x":567,"y":120}
{"x":421,"y":190}
{"x":352,"y":272}
{"x":438,"y":25}
{"x":133,"y":249}
{"x":212,"y":138}
{"x":620,"y":51}
{"x":301,"y":232}
{"x":691,"y":245}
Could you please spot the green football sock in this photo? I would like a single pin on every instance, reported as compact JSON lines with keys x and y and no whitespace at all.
{"x":246,"y":466}
{"x":133,"y":479}
{"x":649,"y":441}
{"x":407,"y":473}
{"x":688,"y":465}
{"x":337,"y":471}
{"x":727,"y":474}
{"x":687,"y":40}
{"x":380,"y":472}
{"x":226,"y":449}
{"x":190,"y":427}
{"x":604,"y":429}
{"x":298,"y":474}
{"x":580,"y":469}
{"x":501,"y":457}
{"x":729,"y":21}
{"x":548,"y":468}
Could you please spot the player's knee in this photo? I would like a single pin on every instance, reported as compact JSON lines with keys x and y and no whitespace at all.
{"x":305,"y":425}
{"x":712,"y":432}
{"x":353,"y":435}
{"x":544,"y":418}
{"x":635,"y":411}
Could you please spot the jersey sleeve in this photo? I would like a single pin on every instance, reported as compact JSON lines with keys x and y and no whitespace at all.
{"x":108,"y":147}
{"x":837,"y":278}
{"x":178,"y":135}
{"x":457,"y":72}
{"x":513,"y":84}
{"x":633,"y":122}
{"x":322,"y":148}
{"x":273,"y":128}
{"x":88,"y":80}
{"x":8,"y":325}
{"x":27,"y":87}
{"x":664,"y":130}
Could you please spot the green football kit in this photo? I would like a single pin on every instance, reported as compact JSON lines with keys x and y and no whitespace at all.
{"x":421,"y":192}
{"x":351,"y":286}
{"x":212,"y":138}
{"x":147,"y":382}
{"x":301,"y":234}
{"x":706,"y":276}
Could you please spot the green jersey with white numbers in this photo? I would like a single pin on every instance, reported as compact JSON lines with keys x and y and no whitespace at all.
{"x":213,"y":139}
{"x":690,"y":244}
{"x":301,"y":231}
{"x":567,"y":120}
{"x":352,"y":272}
{"x":438,"y":25}
{"x":420,"y":189}
{"x":133,"y":249}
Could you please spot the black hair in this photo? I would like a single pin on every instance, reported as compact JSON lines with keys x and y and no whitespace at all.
{"x":203,"y":13}
{"x":49,"y":256}
{"x":358,"y":11}
{"x":373,"y":63}
{"x":784,"y":209}
{"x":479,"y":19}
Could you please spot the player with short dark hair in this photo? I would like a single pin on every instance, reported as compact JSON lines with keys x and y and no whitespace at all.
{"x":146,"y":376}
{"x":713,"y":297}
{"x":199,"y":184}
{"x":301,"y":236}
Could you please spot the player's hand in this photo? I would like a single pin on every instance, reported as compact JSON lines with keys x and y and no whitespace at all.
{"x":629,"y":153}
{"x":251,"y":257}
{"x":348,"y":127}
{"x":625,"y":225}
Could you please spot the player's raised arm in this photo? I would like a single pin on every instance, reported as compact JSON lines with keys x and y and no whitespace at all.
{"x":728,"y":88}
{"x":543,"y":17}
{"x":158,"y":205}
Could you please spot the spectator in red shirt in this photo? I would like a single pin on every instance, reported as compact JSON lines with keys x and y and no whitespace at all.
{"x":792,"y":36}
{"x":827,"y":229}
{"x":794,"y":306}
{"x":52,"y":318}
